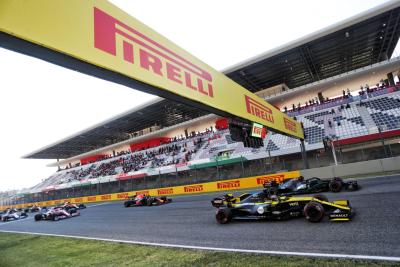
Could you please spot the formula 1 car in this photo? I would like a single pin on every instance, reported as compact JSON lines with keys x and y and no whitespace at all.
{"x":57,"y":213}
{"x":314,"y":185}
{"x":13,"y":214}
{"x":69,"y":205}
{"x":34,"y":208}
{"x":145,"y":200}
{"x":268,"y":206}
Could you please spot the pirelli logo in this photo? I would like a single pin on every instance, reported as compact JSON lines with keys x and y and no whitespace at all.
{"x":144,"y":192}
{"x":259,"y":110}
{"x":230,"y":184}
{"x":165,"y":191}
{"x":112,"y":35}
{"x":290,"y":125}
{"x":105,"y":197}
{"x":277,"y":178}
{"x":122,"y":195}
{"x":78,"y":200}
{"x":193,"y":188}
{"x":91,"y":198}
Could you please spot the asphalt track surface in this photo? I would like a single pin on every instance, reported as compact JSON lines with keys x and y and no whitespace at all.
{"x":190,"y":220}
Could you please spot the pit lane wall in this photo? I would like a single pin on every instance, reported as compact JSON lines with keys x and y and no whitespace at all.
{"x":225,"y":185}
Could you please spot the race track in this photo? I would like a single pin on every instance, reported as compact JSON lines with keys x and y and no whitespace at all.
{"x":190,"y":221}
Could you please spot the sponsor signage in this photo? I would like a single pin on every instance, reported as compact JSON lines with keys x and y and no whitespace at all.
{"x":165,"y":191}
{"x":144,"y":192}
{"x":258,"y":130}
{"x":122,"y":195}
{"x":90,"y":199}
{"x":193,"y":188}
{"x":99,"y":33}
{"x":105,"y":197}
{"x":228,"y":185}
{"x":277,"y":178}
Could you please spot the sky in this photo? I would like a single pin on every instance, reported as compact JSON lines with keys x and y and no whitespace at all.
{"x":48,"y":103}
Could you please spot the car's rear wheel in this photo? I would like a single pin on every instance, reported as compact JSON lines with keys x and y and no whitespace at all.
{"x":314,"y":211}
{"x":127,"y":204}
{"x":55,"y":218}
{"x":38,"y":217}
{"x":335,"y":185}
{"x":223,"y":216}
{"x":321,"y":197}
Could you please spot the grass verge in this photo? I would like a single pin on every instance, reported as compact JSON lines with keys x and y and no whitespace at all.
{"x":34,"y":250}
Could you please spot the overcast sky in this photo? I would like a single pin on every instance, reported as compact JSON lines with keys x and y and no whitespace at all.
{"x":41,"y":103}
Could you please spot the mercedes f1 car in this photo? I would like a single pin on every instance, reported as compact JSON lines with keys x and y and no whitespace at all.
{"x":13,"y":214}
{"x":314,"y":185}
{"x":57,"y":213}
{"x":145,"y":200}
{"x":268,"y":206}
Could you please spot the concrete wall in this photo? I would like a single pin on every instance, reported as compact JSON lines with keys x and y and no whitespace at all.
{"x":357,"y":168}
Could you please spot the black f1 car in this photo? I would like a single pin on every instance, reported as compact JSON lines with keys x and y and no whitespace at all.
{"x":145,"y":200}
{"x":13,"y":214}
{"x":314,"y":185}
{"x":266,"y":205}
{"x":33,"y":208}
{"x":57,"y":213}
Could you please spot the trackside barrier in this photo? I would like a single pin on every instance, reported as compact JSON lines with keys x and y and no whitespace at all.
{"x":233,"y":184}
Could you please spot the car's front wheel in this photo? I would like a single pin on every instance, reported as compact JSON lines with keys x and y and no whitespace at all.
{"x":223,"y":216}
{"x":314,"y":211}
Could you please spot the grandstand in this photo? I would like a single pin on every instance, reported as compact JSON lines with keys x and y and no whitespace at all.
{"x":316,"y":79}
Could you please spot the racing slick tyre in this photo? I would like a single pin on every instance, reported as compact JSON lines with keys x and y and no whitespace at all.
{"x":38,"y":217}
{"x":127,"y":204}
{"x":4,"y":219}
{"x":55,"y":218}
{"x":223,"y":216}
{"x":314,"y":211}
{"x":82,"y":206}
{"x":335,"y":185}
{"x":321,"y":197}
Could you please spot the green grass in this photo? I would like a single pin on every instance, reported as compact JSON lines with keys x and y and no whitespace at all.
{"x":34,"y":250}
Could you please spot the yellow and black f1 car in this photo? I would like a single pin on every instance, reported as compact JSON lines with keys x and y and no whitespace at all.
{"x":267,"y":205}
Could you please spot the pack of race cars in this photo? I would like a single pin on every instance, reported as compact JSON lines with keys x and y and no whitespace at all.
{"x":274,"y":202}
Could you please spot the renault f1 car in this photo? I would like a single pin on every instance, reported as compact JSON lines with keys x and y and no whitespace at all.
{"x":268,"y":206}
{"x":57,"y":213}
{"x":145,"y":200}
{"x":314,"y":185}
{"x":13,"y":214}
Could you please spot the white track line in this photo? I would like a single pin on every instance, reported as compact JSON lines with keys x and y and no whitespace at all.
{"x":270,"y":252}
{"x":91,"y":206}
{"x":14,"y":221}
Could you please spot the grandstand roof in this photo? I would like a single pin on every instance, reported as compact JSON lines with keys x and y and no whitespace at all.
{"x":359,"y":41}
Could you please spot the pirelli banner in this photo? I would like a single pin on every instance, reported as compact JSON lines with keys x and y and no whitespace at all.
{"x":99,"y":33}
{"x":226,"y":185}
